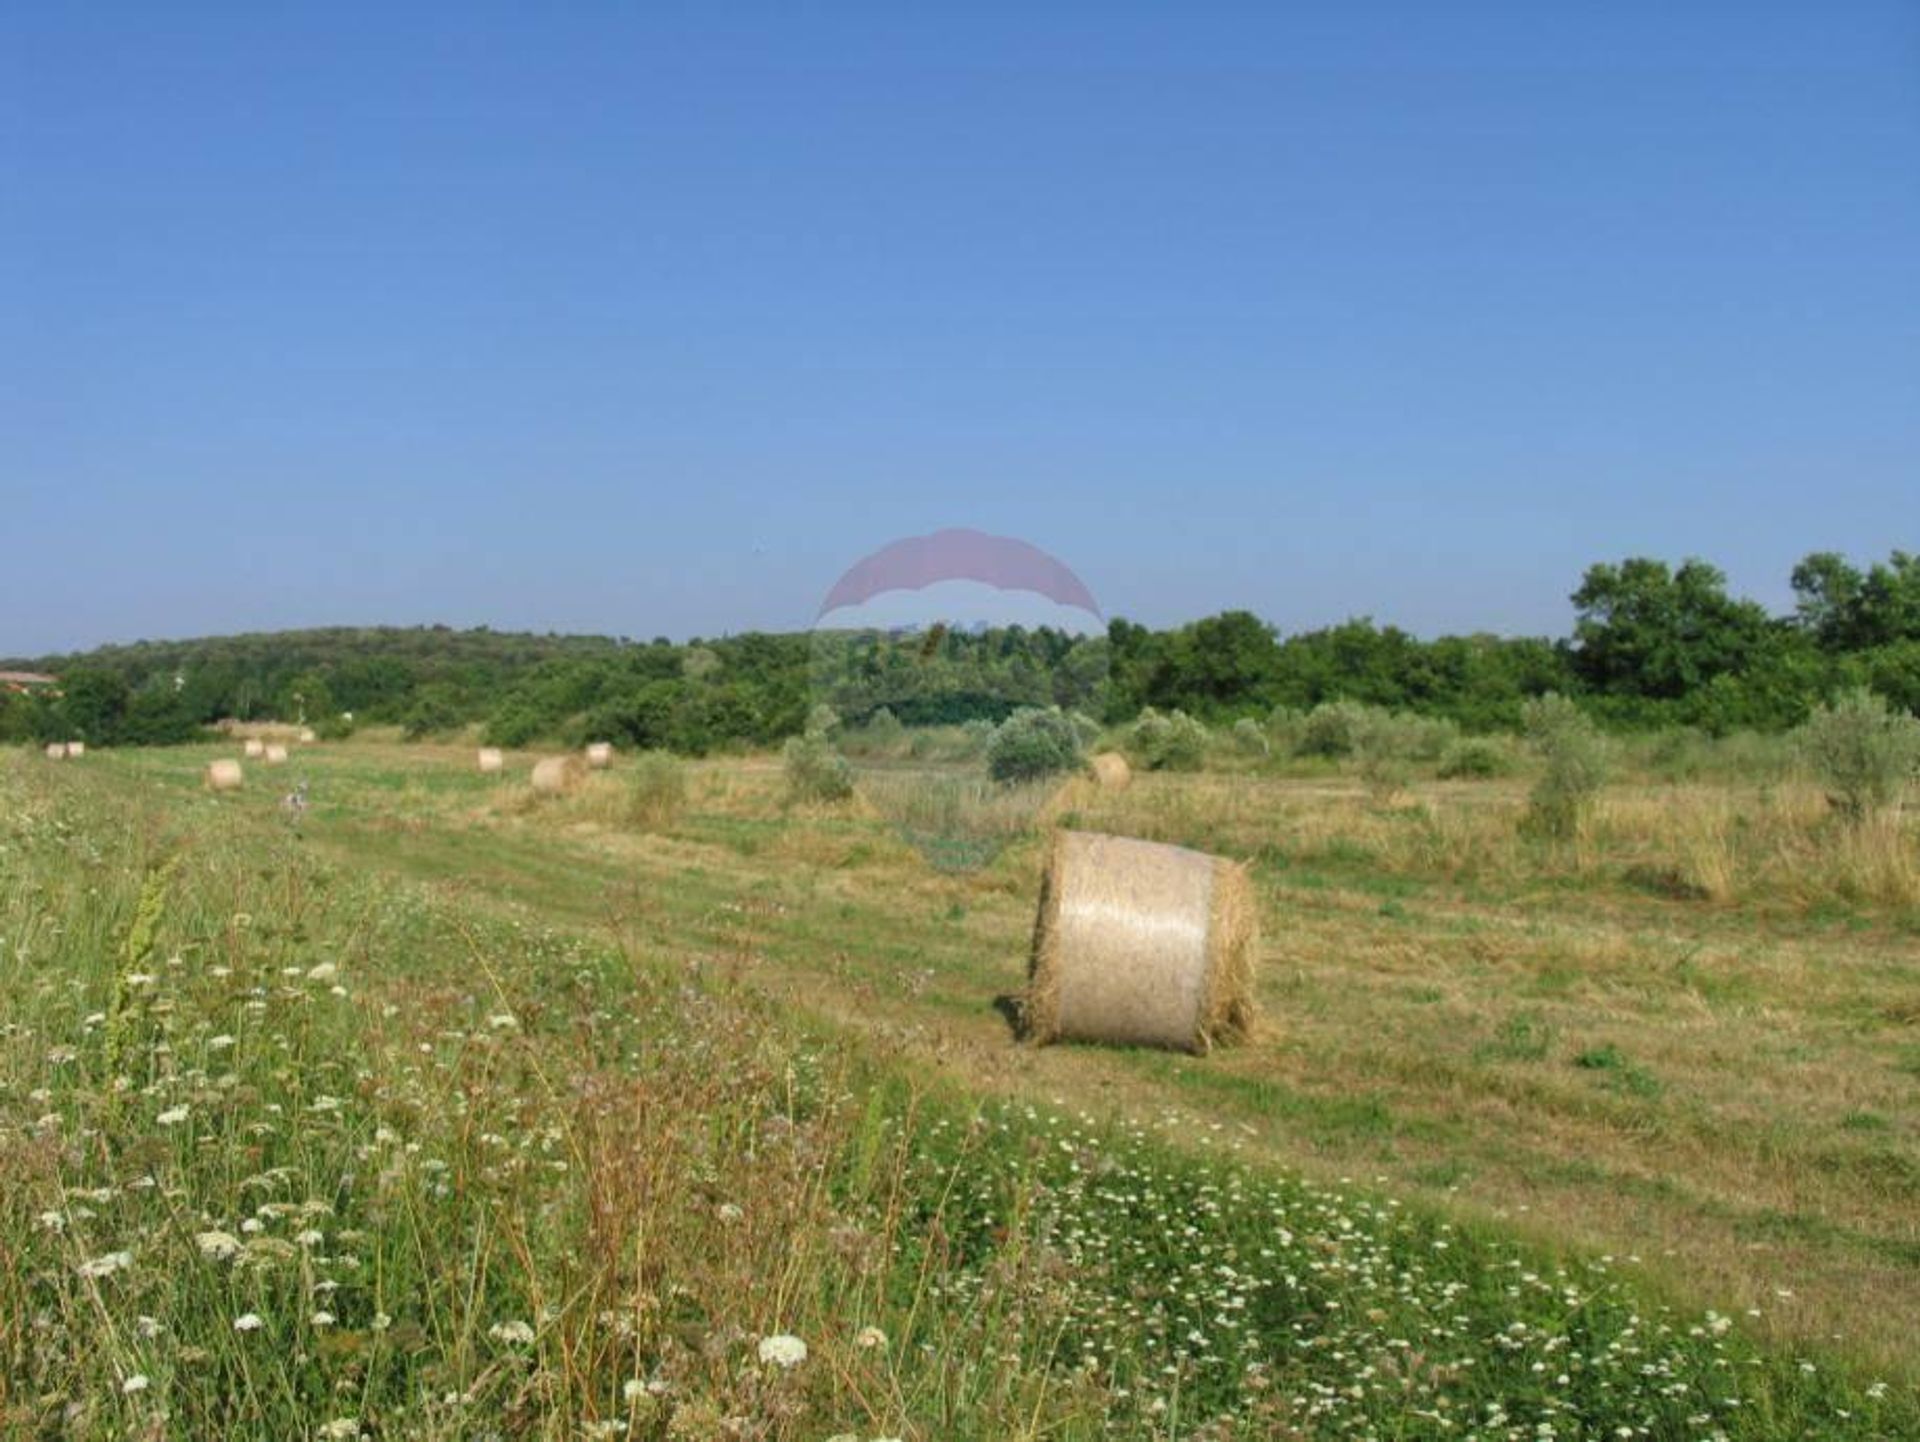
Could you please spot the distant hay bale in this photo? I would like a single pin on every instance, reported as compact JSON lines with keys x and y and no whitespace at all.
{"x":1110,"y":770}
{"x":253,"y":748}
{"x":491,"y":760}
{"x":76,"y":749}
{"x":1141,"y":943}
{"x":224,"y":775}
{"x":56,"y":751}
{"x":275,"y":755}
{"x":600,"y":755}
{"x":556,"y":775}
{"x":307,"y":736}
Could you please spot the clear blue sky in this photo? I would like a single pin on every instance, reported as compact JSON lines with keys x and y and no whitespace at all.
{"x":652,"y":319}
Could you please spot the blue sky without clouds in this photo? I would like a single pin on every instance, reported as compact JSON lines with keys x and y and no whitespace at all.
{"x":651,"y":319}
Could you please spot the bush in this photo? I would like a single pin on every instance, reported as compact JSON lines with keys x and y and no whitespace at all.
{"x":1170,"y":741}
{"x":658,"y":790}
{"x":1475,"y":757}
{"x":1576,"y":760}
{"x":1033,"y":743}
{"x":337,"y":726}
{"x":1863,"y":752}
{"x":822,"y":720}
{"x":815,"y":771}
{"x":1249,"y":739}
{"x":435,"y":709}
{"x":1285,"y":724}
{"x":1383,"y":744}
{"x":1332,"y":728}
{"x":1084,"y":727}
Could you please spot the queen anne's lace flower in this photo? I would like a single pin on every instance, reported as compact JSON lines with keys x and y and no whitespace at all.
{"x":783,"y":1349}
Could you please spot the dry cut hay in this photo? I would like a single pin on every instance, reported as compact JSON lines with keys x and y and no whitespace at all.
{"x":1110,"y":770}
{"x":491,"y":760}
{"x":557,"y":775}
{"x":276,"y":754}
{"x":224,"y":775}
{"x":600,"y":755}
{"x":56,"y":751}
{"x":253,"y":748}
{"x":1142,"y":943}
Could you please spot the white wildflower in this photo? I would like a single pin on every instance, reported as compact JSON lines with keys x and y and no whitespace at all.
{"x":136,"y":1383}
{"x":248,"y":1322}
{"x":172,"y":1116}
{"x":783,"y":1349}
{"x":340,"y":1429}
{"x":218,"y":1245}
{"x":869,"y":1338}
{"x":325,"y":971}
{"x":514,"y":1334}
{"x":106,"y":1265}
{"x":322,"y":1319}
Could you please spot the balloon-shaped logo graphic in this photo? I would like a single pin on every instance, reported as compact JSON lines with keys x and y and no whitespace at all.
{"x":957,"y":680}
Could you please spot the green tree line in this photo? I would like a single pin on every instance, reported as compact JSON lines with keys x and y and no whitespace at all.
{"x":1652,"y":644}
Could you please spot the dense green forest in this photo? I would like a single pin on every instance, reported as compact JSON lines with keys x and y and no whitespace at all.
{"x":1652,"y":644}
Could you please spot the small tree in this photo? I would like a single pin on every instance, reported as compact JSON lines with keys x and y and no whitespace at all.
{"x":1864,"y":752}
{"x":659,"y":790}
{"x":1033,"y":743}
{"x":1169,"y":741}
{"x":815,"y":771}
{"x":1576,"y":760}
{"x":1249,"y":738}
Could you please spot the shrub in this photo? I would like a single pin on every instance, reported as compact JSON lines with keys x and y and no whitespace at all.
{"x":1285,"y":724}
{"x":1033,"y":743}
{"x":1576,"y":760}
{"x":1475,"y":757}
{"x":822,"y":720}
{"x":1332,"y":728}
{"x":1084,"y":727}
{"x":1169,"y":741}
{"x":1249,"y":739}
{"x":435,"y":709}
{"x":1383,"y":745}
{"x":337,"y":726}
{"x":815,"y":771}
{"x":658,"y":790}
{"x":1863,"y":752}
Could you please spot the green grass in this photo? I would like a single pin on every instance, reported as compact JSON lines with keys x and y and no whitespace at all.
{"x":536,"y":1131}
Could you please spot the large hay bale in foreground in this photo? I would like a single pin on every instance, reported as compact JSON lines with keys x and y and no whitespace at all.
{"x":556,"y":775}
{"x":1110,"y":770}
{"x":253,"y":748}
{"x":1142,"y":943}
{"x":276,"y":755}
{"x":491,"y":760}
{"x":600,"y":755}
{"x":224,"y":775}
{"x":56,"y":751}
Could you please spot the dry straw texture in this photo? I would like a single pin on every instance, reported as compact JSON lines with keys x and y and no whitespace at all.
{"x":56,"y":752}
{"x":307,"y":735}
{"x":253,"y":748}
{"x":491,"y":760}
{"x":1143,"y":943}
{"x":556,"y":775}
{"x":1110,"y":769}
{"x":276,"y":755}
{"x":224,"y":775}
{"x":600,"y":755}
{"x":76,"y":748}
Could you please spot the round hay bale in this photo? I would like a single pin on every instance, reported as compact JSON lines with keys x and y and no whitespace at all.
{"x":556,"y":775}
{"x":1141,"y":943}
{"x":600,"y":755}
{"x":1110,"y":770}
{"x":253,"y":748}
{"x":56,"y":751}
{"x":307,"y":736}
{"x":491,"y":760}
{"x":76,"y":749}
{"x":275,"y":754}
{"x":224,"y":775}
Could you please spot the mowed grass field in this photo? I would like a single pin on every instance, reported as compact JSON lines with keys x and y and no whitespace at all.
{"x":1617,"y":1134}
